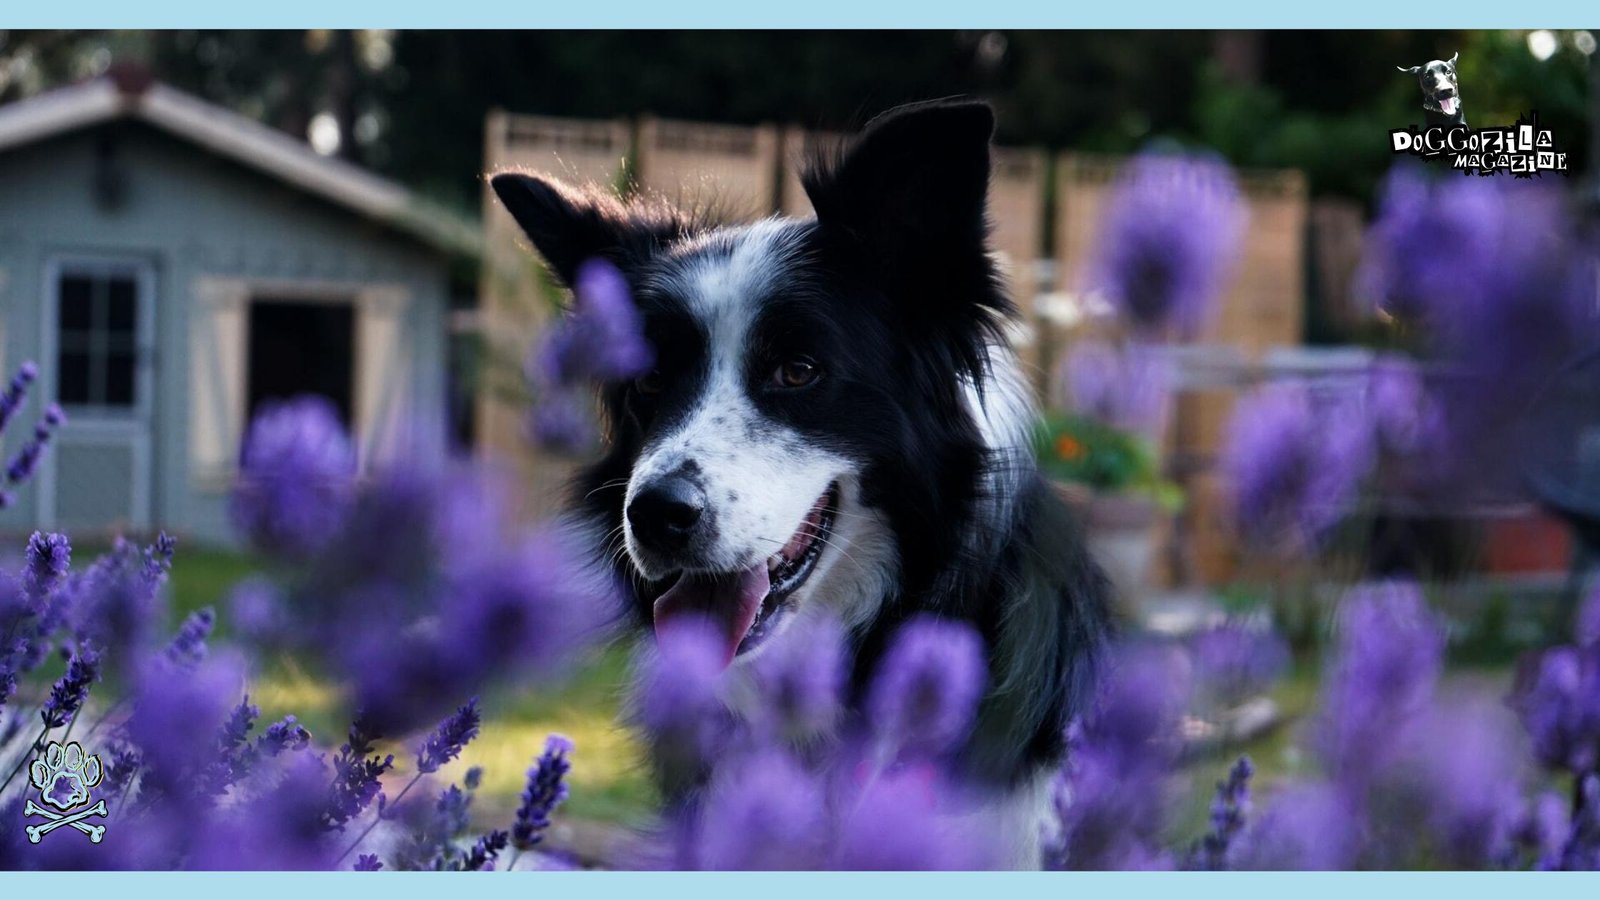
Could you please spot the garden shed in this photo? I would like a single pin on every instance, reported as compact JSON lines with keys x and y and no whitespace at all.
{"x":171,"y":265}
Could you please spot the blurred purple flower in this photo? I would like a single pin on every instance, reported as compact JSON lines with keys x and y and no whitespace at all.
{"x":367,"y":862}
{"x":1432,"y":245}
{"x":1168,"y":240}
{"x":600,"y":340}
{"x":1128,"y":388}
{"x":1385,"y":663}
{"x":1232,"y":662}
{"x":924,"y":694}
{"x":446,"y":742}
{"x":760,"y":813}
{"x":679,"y":701}
{"x":1111,"y":797}
{"x":1468,"y":773}
{"x":913,"y":819}
{"x":1581,"y":852}
{"x":296,"y":475}
{"x":1307,"y":826}
{"x":546,"y":790}
{"x":562,"y":420}
{"x":1558,"y":700}
{"x":1408,"y":419}
{"x":797,"y":682}
{"x":1294,"y":462}
{"x":1587,"y":628}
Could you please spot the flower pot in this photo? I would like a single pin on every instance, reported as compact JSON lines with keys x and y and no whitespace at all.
{"x":1121,"y":535}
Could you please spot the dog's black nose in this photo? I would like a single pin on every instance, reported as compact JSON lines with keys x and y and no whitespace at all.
{"x":666,"y":513}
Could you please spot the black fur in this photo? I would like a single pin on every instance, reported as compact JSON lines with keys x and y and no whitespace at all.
{"x":893,"y":287}
{"x":1438,"y":80}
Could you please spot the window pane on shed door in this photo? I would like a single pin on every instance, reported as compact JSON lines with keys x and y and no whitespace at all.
{"x":77,"y":303}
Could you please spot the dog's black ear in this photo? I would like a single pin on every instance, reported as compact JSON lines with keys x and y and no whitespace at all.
{"x":916,"y":180}
{"x":1453,"y":58}
{"x":1411,"y":71}
{"x":568,"y":225}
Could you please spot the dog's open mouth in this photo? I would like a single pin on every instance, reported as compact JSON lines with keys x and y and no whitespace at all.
{"x":1448,"y":101}
{"x":746,"y":605}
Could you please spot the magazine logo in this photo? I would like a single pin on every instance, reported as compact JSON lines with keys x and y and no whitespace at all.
{"x":1525,"y":149}
{"x":64,"y":776}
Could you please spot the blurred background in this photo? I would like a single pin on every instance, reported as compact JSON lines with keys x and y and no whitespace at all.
{"x":195,"y":222}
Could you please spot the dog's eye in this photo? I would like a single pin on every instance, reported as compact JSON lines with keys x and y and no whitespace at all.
{"x":796,"y":373}
{"x":650,"y":382}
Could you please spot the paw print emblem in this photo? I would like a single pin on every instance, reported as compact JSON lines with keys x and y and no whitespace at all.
{"x":63,"y":777}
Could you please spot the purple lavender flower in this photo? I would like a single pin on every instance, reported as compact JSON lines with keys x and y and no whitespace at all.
{"x":1168,"y":240}
{"x":913,"y":819}
{"x":49,"y":557}
{"x":1230,"y":810}
{"x":562,"y":420}
{"x":601,"y":340}
{"x":1587,"y":628}
{"x":16,"y":392}
{"x":1409,"y":420}
{"x":446,"y":741}
{"x":1467,"y":774}
{"x":356,"y":773}
{"x":283,"y":736}
{"x":761,"y":813}
{"x":481,"y":855}
{"x":1386,"y":660}
{"x":367,"y":862}
{"x":27,"y":459}
{"x":925,"y":692}
{"x":188,"y":646}
{"x":1294,"y":462}
{"x":1307,"y":826}
{"x":1128,"y":388}
{"x":72,"y":688}
{"x":1581,"y":853}
{"x":1558,"y":700}
{"x":1233,"y":662}
{"x":796,"y":682}
{"x":1112,"y":792}
{"x":181,"y":724}
{"x":545,"y":791}
{"x":296,"y":475}
{"x":1432,"y":244}
{"x":679,"y":702}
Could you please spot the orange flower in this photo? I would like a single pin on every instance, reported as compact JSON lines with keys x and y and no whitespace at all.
{"x":1070,"y":448}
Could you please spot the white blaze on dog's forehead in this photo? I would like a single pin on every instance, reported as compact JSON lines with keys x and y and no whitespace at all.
{"x":761,"y":478}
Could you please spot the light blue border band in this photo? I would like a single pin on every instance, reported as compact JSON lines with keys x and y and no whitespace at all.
{"x":500,"y":14}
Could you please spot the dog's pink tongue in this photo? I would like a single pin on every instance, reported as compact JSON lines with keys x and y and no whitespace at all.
{"x":1449,"y":106}
{"x":730,"y":602}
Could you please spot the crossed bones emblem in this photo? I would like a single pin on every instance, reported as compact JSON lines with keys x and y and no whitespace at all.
{"x":63,"y":778}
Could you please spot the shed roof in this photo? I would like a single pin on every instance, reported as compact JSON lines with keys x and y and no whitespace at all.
{"x":236,"y":137}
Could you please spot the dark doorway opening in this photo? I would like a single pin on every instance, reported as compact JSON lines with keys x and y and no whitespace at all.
{"x":302,"y":348}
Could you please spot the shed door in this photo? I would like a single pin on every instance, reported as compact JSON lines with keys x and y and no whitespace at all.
{"x":99,"y":331}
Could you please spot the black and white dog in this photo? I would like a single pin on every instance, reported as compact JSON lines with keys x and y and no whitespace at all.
{"x":835,"y":425}
{"x":1441,"y":94}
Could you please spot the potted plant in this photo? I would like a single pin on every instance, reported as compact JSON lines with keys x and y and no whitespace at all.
{"x":1101,"y":450}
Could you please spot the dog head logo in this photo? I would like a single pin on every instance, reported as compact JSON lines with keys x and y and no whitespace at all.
{"x":1441,"y":92}
{"x":63,"y":776}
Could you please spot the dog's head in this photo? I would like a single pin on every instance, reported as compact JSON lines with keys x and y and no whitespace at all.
{"x":1440,"y":91}
{"x":806,"y":433}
